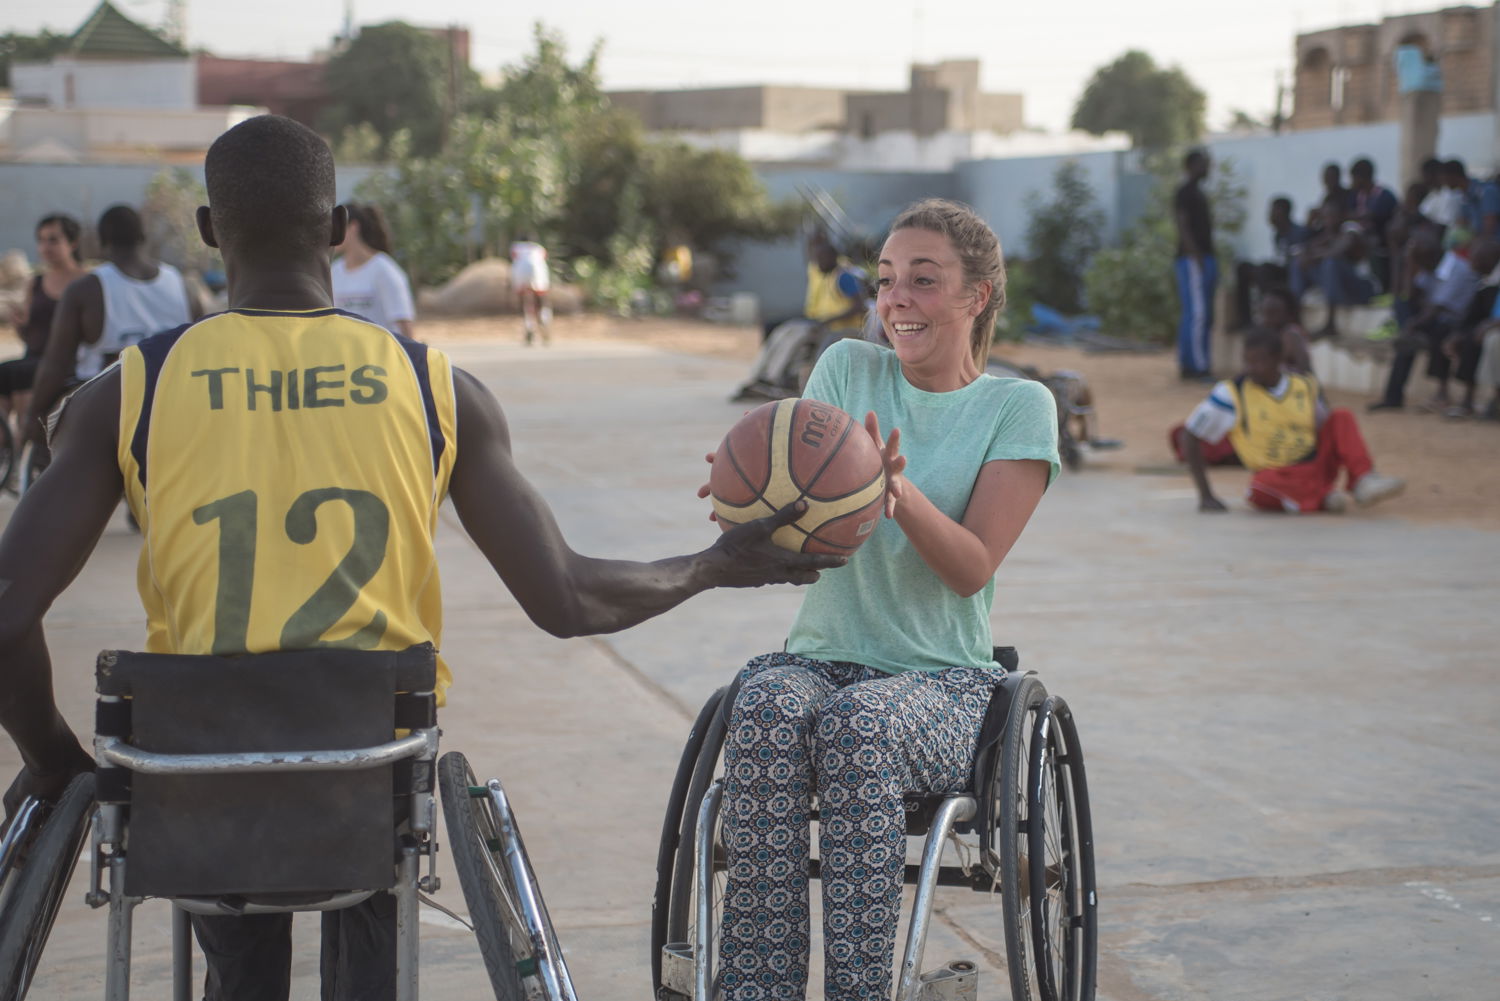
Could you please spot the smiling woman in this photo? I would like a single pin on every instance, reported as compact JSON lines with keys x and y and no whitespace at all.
{"x":889,"y":665}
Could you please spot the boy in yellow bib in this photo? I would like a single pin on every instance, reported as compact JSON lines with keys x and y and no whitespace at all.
{"x":286,"y":462}
{"x":1284,"y":431}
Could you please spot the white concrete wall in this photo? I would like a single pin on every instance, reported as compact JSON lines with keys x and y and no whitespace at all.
{"x":1000,"y":190}
{"x":91,"y":133}
{"x":107,"y":83}
{"x":891,"y":151}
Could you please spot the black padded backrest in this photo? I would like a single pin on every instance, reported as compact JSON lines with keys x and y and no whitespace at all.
{"x":262,"y":833}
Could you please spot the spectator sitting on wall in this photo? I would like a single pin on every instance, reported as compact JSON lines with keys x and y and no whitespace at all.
{"x":1487,"y":370}
{"x":1441,"y":205}
{"x":1407,"y":222}
{"x":1283,"y":429}
{"x":1464,"y":349}
{"x":1373,"y":206}
{"x":1337,"y":261}
{"x":1443,"y":286}
{"x":1287,"y":238}
{"x":1489,"y":207}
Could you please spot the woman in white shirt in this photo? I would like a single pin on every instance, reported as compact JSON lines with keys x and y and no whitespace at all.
{"x":366,"y":279}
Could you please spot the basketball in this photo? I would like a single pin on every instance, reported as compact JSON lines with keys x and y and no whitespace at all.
{"x":794,"y":450}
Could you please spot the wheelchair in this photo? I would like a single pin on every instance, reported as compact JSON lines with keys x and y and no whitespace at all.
{"x":1022,"y":830}
{"x":197,"y":800}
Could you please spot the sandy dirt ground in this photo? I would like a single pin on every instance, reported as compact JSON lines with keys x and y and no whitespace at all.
{"x":1452,"y":468}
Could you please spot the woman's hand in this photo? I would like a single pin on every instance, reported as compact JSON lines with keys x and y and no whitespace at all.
{"x":892,"y":459}
{"x":703,"y":491}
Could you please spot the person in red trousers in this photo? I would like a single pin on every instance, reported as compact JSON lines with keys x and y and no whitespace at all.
{"x":1283,"y":429}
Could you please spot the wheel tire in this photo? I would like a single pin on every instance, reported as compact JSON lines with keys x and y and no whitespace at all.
{"x":1061,"y":858}
{"x":33,"y":463}
{"x":681,"y":898}
{"x":31,"y":896}
{"x":487,"y":887}
{"x":7,"y":453}
{"x":1011,"y":838}
{"x":670,"y":845}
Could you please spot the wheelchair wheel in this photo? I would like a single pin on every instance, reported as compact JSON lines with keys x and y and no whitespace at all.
{"x":515,"y":934}
{"x":1060,"y":846}
{"x":1012,"y":837}
{"x":34,"y":883}
{"x":7,"y":453}
{"x":674,"y":910}
{"x":31,"y":464}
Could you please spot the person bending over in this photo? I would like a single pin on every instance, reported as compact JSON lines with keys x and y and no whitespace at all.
{"x":889,"y":666}
{"x":252,"y":447}
{"x":1282,"y":428}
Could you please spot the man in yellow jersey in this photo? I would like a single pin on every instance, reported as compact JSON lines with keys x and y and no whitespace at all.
{"x":1282,"y":428}
{"x":835,"y":292}
{"x":286,"y":462}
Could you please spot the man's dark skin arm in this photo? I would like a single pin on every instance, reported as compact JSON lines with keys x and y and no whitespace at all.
{"x":50,"y":535}
{"x":79,"y":320}
{"x":572,"y":595}
{"x":1193,"y":450}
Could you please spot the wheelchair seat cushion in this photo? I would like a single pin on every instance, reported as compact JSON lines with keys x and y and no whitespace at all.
{"x":266,"y":832}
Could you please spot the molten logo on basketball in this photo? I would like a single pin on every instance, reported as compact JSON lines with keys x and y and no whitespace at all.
{"x":816,"y":429}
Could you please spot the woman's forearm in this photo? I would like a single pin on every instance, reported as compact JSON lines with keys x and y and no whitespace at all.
{"x":954,"y":553}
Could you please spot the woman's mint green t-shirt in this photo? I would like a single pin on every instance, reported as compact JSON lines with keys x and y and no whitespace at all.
{"x":887,"y":609}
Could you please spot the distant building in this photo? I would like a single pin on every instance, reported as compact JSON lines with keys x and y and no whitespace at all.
{"x":119,"y":91}
{"x":944,"y":97}
{"x":283,"y":87}
{"x":1347,"y":75}
{"x":942,"y":118}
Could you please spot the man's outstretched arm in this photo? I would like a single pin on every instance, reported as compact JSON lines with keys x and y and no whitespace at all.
{"x":572,"y":595}
{"x":50,"y":536}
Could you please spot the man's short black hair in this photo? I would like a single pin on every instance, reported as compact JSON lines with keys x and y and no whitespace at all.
{"x":120,"y":227}
{"x":1432,"y":163}
{"x":1195,"y":155}
{"x":1261,"y":339}
{"x":1363,"y":167}
{"x":1456,"y":167}
{"x":1282,"y":202}
{"x":270,"y":186}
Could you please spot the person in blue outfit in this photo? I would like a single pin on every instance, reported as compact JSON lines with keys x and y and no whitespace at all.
{"x":1197,"y":268}
{"x":887,"y":672}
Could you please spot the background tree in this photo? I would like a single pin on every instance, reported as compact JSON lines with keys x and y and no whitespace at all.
{"x":1157,"y":107}
{"x":16,"y":48}
{"x":396,"y":77}
{"x":1062,"y":235}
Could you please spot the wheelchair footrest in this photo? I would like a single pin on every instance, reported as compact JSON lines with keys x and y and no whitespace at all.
{"x":958,"y":981}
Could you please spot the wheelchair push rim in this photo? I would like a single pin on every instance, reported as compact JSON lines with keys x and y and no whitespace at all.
{"x":42,"y":849}
{"x":515,"y":934}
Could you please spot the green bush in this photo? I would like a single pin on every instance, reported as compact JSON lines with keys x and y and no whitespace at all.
{"x":1062,"y":236}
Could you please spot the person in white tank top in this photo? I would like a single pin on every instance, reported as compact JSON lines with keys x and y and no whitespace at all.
{"x":126,"y":299}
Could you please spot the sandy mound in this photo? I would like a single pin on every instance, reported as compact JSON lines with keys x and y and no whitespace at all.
{"x":483,"y":289}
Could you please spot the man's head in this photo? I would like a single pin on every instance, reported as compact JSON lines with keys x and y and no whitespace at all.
{"x":1277,"y":308}
{"x":1263,"y":356}
{"x":1484,"y":255}
{"x":270,"y":192}
{"x":1362,"y":175}
{"x":120,"y":229}
{"x":824,"y":254}
{"x":1426,"y":250}
{"x":1281,"y":213}
{"x":1196,"y":164}
{"x":1333,"y":177}
{"x":1432,"y":172}
{"x":1455,"y":175}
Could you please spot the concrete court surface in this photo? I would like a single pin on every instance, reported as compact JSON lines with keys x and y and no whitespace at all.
{"x":1291,"y":725}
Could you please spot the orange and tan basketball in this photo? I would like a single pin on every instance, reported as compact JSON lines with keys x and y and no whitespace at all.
{"x":793,"y":450}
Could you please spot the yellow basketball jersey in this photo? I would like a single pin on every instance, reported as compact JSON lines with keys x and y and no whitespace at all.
{"x":1269,"y":433}
{"x":286,"y":469}
{"x":824,"y":299}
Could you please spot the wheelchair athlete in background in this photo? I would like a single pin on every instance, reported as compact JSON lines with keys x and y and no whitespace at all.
{"x":237,"y":441}
{"x":889,"y":667}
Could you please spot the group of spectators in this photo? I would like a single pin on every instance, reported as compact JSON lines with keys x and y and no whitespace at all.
{"x":1431,"y":255}
{"x":74,"y":320}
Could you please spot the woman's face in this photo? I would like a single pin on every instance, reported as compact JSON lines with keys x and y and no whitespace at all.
{"x":52,"y":246}
{"x":927,"y":312}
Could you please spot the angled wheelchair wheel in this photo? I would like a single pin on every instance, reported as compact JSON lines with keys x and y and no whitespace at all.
{"x":7,"y":453}
{"x":1060,"y":858}
{"x":1012,"y":836}
{"x":516,"y":937}
{"x":38,"y":862}
{"x":675,"y":911}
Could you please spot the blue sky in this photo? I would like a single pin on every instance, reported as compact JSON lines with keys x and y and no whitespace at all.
{"x":1043,"y":50}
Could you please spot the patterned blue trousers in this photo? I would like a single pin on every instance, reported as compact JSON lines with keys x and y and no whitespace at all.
{"x":861,"y":738}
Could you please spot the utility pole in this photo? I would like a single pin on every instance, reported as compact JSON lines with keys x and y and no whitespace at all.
{"x":174,"y":22}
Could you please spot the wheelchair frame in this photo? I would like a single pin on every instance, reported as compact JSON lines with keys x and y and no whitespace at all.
{"x":1028,"y":759}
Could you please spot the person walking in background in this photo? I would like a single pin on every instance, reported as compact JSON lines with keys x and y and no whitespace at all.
{"x":57,"y":239}
{"x":366,"y":279}
{"x":1197,"y":267}
{"x":124,"y":300}
{"x":531,"y":279}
